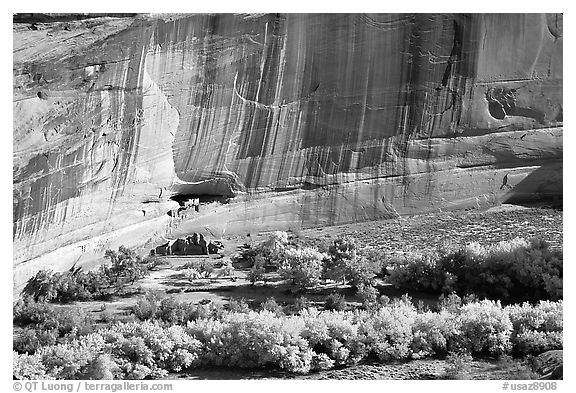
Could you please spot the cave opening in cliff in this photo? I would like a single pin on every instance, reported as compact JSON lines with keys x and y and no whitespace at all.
{"x":185,"y":200}
{"x":188,"y":202}
{"x":203,"y":198}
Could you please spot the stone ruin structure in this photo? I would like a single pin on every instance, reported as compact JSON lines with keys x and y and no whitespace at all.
{"x":184,"y":210}
{"x":191,"y":245}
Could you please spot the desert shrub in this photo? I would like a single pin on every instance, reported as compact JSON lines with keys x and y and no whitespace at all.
{"x":198,"y":269}
{"x":321,"y":361}
{"x":537,"y":328}
{"x":147,"y":306}
{"x":303,"y":266}
{"x":238,"y":306}
{"x":45,"y":318}
{"x":516,"y":269}
{"x":154,"y":306}
{"x":26,"y":367}
{"x":518,"y":369}
{"x":175,"y":312}
{"x":103,"y":366}
{"x":191,"y":274}
{"x":311,"y":340}
{"x":148,"y":349}
{"x":331,"y":333}
{"x":431,"y":333}
{"x":539,"y":269}
{"x":378,"y":259}
{"x":368,"y":296}
{"x":106,"y":316}
{"x":253,"y":340}
{"x":383,"y":300}
{"x":458,"y":366}
{"x":420,"y":273}
{"x":41,"y":287}
{"x":247,"y":255}
{"x":267,"y":251}
{"x":335,"y":301}
{"x":451,"y":303}
{"x":276,"y":242}
{"x":485,"y":328}
{"x":68,"y":360}
{"x":388,"y":330}
{"x":27,"y":311}
{"x":208,"y":310}
{"x":227,"y":270}
{"x":126,"y":351}
{"x":362,"y":271}
{"x":301,"y":303}
{"x":271,"y":305}
{"x":29,"y":340}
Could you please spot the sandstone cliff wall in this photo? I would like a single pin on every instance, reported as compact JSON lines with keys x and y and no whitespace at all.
{"x":305,"y":119}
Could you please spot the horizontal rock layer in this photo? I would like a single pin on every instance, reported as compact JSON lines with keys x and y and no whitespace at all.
{"x":306,"y":119}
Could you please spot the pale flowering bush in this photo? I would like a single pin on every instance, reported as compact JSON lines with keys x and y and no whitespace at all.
{"x":502,"y":248}
{"x":485,"y":327}
{"x":388,"y":331}
{"x":302,"y":265}
{"x":330,"y":333}
{"x":310,"y":340}
{"x":432,"y":332}
{"x":533,"y":341}
{"x":70,"y":360}
{"x":266,"y":251}
{"x":26,"y":366}
{"x":152,"y":345}
{"x":125,"y":350}
{"x":536,"y":328}
{"x":277,"y":240}
{"x":322,"y":361}
{"x":253,"y":339}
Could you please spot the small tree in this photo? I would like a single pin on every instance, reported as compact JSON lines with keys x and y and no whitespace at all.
{"x":257,"y":271}
{"x":362,"y":271}
{"x":342,"y":255}
{"x":276,"y":242}
{"x":126,"y":266}
{"x":41,"y":287}
{"x":304,"y":266}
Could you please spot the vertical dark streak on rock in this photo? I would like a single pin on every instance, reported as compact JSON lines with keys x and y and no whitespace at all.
{"x":456,"y":53}
{"x":132,"y":104}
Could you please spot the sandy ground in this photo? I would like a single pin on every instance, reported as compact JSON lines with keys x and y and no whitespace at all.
{"x":428,"y":369}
